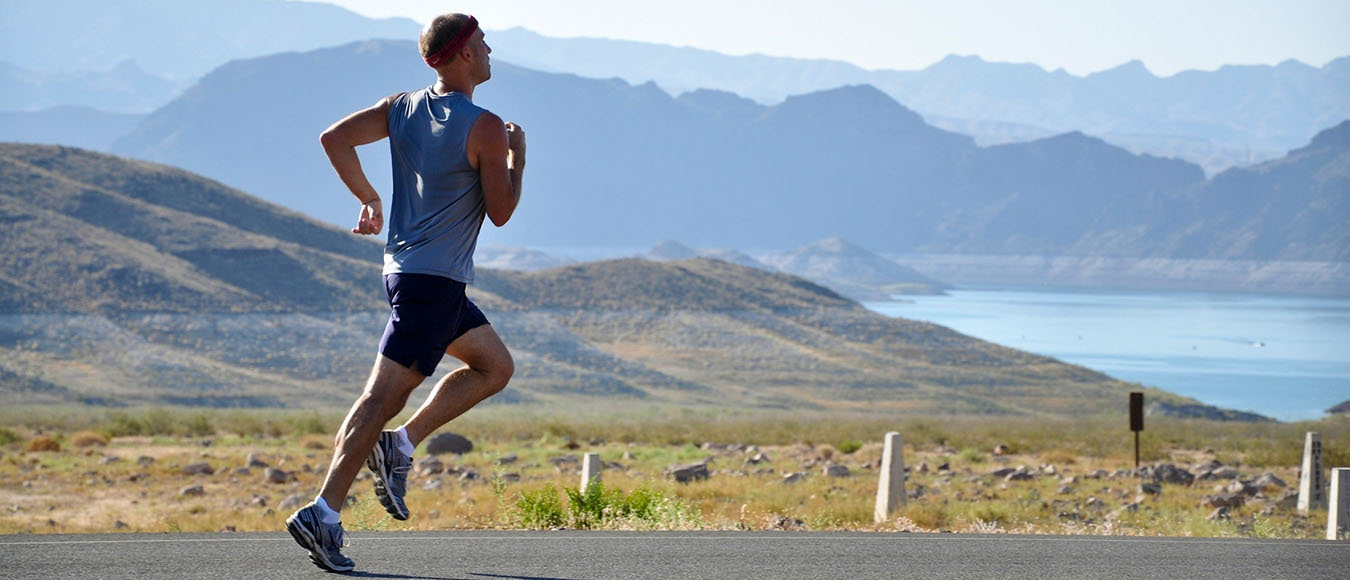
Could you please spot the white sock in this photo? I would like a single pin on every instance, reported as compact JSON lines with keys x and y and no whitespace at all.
{"x":326,"y":514}
{"x":404,"y":443}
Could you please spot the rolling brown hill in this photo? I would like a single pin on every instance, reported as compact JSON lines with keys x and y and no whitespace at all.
{"x":132,"y":283}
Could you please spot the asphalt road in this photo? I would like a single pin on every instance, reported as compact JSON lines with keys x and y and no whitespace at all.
{"x":477,"y":555}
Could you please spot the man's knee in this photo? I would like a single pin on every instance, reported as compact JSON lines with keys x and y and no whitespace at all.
{"x":498,"y":370}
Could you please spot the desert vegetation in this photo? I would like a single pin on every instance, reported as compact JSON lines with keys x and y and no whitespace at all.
{"x":171,"y":469}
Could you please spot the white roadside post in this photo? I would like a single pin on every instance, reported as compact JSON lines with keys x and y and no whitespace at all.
{"x":1311,"y":493}
{"x":1338,"y":514}
{"x":590,"y":470}
{"x":891,"y":488}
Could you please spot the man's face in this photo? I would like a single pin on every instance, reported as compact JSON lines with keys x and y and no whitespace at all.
{"x":482,"y":68}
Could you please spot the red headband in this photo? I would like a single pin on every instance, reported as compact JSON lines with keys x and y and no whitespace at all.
{"x":451,"y":48}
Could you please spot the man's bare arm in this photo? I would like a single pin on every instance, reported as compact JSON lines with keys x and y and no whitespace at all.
{"x":498,"y":151}
{"x":340,"y":141}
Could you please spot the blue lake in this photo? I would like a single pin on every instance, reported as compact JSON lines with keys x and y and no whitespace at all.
{"x":1285,"y":357}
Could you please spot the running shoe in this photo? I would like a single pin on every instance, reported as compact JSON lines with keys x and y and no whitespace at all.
{"x":391,"y":468}
{"x":324,"y":541}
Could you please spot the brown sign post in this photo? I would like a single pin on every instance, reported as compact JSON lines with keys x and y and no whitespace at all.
{"x":1136,"y":421}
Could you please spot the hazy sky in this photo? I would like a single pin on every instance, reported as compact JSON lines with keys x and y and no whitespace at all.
{"x":1080,"y":36}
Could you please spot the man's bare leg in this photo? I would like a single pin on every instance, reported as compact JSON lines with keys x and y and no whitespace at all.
{"x":488,"y":367}
{"x":386,"y":393}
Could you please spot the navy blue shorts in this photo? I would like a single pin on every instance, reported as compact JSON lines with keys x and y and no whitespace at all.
{"x":426,"y":314}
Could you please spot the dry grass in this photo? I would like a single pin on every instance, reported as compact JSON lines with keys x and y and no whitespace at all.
{"x":82,"y":490}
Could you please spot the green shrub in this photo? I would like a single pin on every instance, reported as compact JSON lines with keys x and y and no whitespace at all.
{"x":7,"y":437}
{"x":540,"y":509}
{"x":849,"y":446}
{"x":588,"y":509}
{"x":971,"y":455}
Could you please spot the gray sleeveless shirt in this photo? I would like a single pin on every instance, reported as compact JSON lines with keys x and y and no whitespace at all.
{"x":437,"y":205}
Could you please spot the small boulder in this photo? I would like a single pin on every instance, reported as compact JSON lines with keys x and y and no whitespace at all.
{"x":202,"y":468}
{"x":1242,"y":488}
{"x":145,"y":461}
{"x":688,"y":473}
{"x":274,"y":475}
{"x":1268,"y":481}
{"x":793,"y":477}
{"x":429,"y":466}
{"x":836,"y":470}
{"x":1020,"y":474}
{"x":292,"y":502}
{"x":1231,"y":500}
{"x":192,"y":491}
{"x":507,"y":459}
{"x":255,"y":462}
{"x":448,"y":443}
{"x":1150,"y":489}
{"x":1168,"y":473}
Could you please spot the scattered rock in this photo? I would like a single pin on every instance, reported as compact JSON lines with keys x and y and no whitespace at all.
{"x":292,"y":502}
{"x":793,"y":477}
{"x":1064,"y":490}
{"x":192,"y":491}
{"x":558,"y":460}
{"x":1002,"y":449}
{"x":836,"y":470}
{"x":1150,"y":489}
{"x":1168,"y":473}
{"x":1231,"y":500}
{"x":202,"y":468}
{"x":756,"y":459}
{"x":688,"y":473}
{"x":787,"y":523}
{"x":1020,"y":474}
{"x":448,"y":443}
{"x":1003,"y":471}
{"x":107,"y":459}
{"x":259,"y":501}
{"x":1048,"y":469}
{"x":1072,"y":480}
{"x":119,"y":525}
{"x":429,"y":466}
{"x":507,"y":459}
{"x":254,"y":461}
{"x":1093,"y":502}
{"x":1268,"y":481}
{"x":1220,"y":473}
{"x":274,"y":475}
{"x":510,"y":477}
{"x":145,"y":461}
{"x":468,"y":475}
{"x":1288,"y":501}
{"x":1220,"y":513}
{"x":1242,"y":488}
{"x":432,"y":484}
{"x":243,"y":471}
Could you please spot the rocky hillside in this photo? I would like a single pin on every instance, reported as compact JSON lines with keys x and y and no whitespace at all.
{"x":132,"y":283}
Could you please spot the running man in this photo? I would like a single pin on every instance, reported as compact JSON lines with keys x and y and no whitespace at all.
{"x":453,"y":162}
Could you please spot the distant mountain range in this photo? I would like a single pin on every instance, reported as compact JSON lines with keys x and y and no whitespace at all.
{"x":1235,"y":115}
{"x":136,"y":55}
{"x":132,"y":283}
{"x":610,"y":166}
